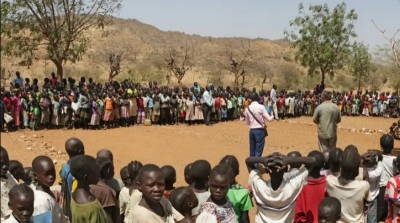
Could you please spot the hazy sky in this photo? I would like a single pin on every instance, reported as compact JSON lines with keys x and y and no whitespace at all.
{"x":254,"y":18}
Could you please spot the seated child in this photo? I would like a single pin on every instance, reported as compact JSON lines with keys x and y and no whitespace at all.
{"x":7,"y":182}
{"x":130,"y":186}
{"x":188,"y":168}
{"x":105,"y":194}
{"x":218,"y":208}
{"x":16,"y":169}
{"x":353,"y":194}
{"x":276,"y":198}
{"x":329,"y":210}
{"x":199,"y":175}
{"x":183,"y":199}
{"x":45,"y":203}
{"x":392,"y":195}
{"x":313,"y":193}
{"x":84,"y":205}
{"x":21,"y":204}
{"x":148,"y":204}
{"x":170,"y":178}
{"x":237,"y":194}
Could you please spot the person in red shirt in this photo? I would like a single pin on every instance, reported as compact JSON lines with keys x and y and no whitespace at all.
{"x":140,"y":105}
{"x":170,"y":179}
{"x":53,"y":79}
{"x":217,"y":105}
{"x":313,"y":193}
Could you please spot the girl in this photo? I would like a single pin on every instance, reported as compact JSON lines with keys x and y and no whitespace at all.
{"x":55,"y":121}
{"x":224,"y":109}
{"x":45,"y":104}
{"x":45,"y":203}
{"x":108,"y":114}
{"x":16,"y":102}
{"x":156,"y":110}
{"x":183,"y":199}
{"x":140,"y":113}
{"x":95,"y":119}
{"x":237,"y":194}
{"x":35,"y":114}
{"x":229,"y":107}
{"x":25,"y":110}
{"x":104,"y":193}
{"x":84,"y":205}
{"x":124,"y":103}
{"x":130,"y":186}
{"x":190,"y":117}
{"x":84,"y":113}
{"x":198,"y":112}
{"x":365,"y":111}
{"x":21,"y":199}
{"x":7,"y":182}
{"x":218,"y":208}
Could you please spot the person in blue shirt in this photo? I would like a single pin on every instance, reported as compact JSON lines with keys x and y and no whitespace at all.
{"x":18,"y":80}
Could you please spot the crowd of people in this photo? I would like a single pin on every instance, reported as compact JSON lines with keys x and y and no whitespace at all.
{"x":320,"y":187}
{"x":89,"y":105}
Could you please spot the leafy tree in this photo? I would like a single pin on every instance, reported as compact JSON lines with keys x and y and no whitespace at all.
{"x":58,"y":25}
{"x":360,"y":65}
{"x":323,"y":38}
{"x":289,"y":77}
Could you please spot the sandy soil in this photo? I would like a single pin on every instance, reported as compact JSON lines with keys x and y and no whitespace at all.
{"x":180,"y":145}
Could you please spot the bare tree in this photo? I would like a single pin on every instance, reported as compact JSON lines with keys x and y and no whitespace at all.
{"x":179,"y":53}
{"x":395,"y":48}
{"x":113,"y":54}
{"x":237,"y":57}
{"x":267,"y":72}
{"x":5,"y":76}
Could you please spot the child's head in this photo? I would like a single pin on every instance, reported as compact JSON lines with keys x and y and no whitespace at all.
{"x":133,"y":171}
{"x":124,"y":175}
{"x":200,"y":173}
{"x":16,"y":169}
{"x":85,"y":170}
{"x":187,"y":172}
{"x":329,"y":210}
{"x":169,"y":176}
{"x":350,"y":162}
{"x":151,"y":183}
{"x":183,"y":199}
{"x":327,"y":165}
{"x":220,"y":181}
{"x":21,"y":202}
{"x":4,"y":162}
{"x":74,"y":147}
{"x":294,"y":154}
{"x":28,"y":175}
{"x":106,"y":168}
{"x":335,"y":158}
{"x":106,"y":154}
{"x":319,"y":160}
{"x":233,"y":163}
{"x":44,"y":171}
{"x":387,"y":143}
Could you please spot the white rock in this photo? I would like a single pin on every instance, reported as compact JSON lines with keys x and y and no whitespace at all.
{"x":55,"y":162}
{"x":29,"y":148}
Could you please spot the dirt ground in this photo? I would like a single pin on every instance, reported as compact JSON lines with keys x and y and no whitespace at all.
{"x":179,"y":145}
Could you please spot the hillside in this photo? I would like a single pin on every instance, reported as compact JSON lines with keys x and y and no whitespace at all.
{"x":138,"y":42}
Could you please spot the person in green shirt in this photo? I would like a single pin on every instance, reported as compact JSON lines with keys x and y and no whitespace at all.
{"x":237,"y":194}
{"x":85,"y":208}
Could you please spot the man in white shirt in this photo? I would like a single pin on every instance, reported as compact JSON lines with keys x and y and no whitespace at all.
{"x":207,"y":98}
{"x":274,"y":100}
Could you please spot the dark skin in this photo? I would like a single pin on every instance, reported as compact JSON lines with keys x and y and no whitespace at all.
{"x":28,"y":175}
{"x":81,"y":194}
{"x":189,"y":203}
{"x":18,"y":173}
{"x":152,"y":186}
{"x":106,"y":174}
{"x":397,"y":203}
{"x":4,"y":164}
{"x":22,"y":207}
{"x":327,"y":215}
{"x":45,"y":173}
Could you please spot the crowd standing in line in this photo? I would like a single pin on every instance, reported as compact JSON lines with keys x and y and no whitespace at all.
{"x":89,"y":105}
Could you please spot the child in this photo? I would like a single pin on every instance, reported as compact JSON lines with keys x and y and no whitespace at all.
{"x":186,"y":173}
{"x":313,"y":193}
{"x":155,"y":118}
{"x":123,"y":197}
{"x":125,"y":110}
{"x":74,"y":147}
{"x":276,"y":198}
{"x":16,"y":169}
{"x":148,"y":205}
{"x":183,"y":199}
{"x":115,"y":184}
{"x":28,"y":176}
{"x":294,"y":169}
{"x":170,"y":178}
{"x":35,"y":114}
{"x":7,"y":182}
{"x":329,"y":210}
{"x":105,"y":194}
{"x":237,"y":194}
{"x":335,"y":157}
{"x":95,"y":119}
{"x":353,"y":194}
{"x":327,"y":165}
{"x":387,"y":145}
{"x":199,"y":175}
{"x":20,"y":203}
{"x":374,"y":171}
{"x":45,"y":202}
{"x":108,"y":113}
{"x":392,"y":195}
{"x":55,"y":120}
{"x":130,"y":186}
{"x":218,"y":208}
{"x":84,"y":205}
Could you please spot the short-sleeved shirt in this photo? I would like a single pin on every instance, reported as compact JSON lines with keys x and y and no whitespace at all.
{"x":392,"y":195}
{"x":240,"y":198}
{"x":352,"y":197}
{"x":91,"y":212}
{"x":105,"y":194}
{"x":6,"y":185}
{"x":276,"y":206}
{"x":328,"y":115}
{"x":123,"y":199}
{"x":388,"y":169}
{"x":19,"y":80}
{"x":202,"y":197}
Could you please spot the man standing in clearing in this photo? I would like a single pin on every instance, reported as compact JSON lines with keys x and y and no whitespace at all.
{"x":327,"y":116}
{"x":207,"y":98}
{"x":274,"y":100}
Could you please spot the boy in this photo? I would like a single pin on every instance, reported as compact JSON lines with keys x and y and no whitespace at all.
{"x":392,"y":196}
{"x":313,"y":193}
{"x":115,"y":184}
{"x":388,"y":171}
{"x":374,"y":171}
{"x":294,"y":169}
{"x":329,"y":210}
{"x":276,"y":198}
{"x":7,"y":182}
{"x":199,"y":175}
{"x":170,"y":178}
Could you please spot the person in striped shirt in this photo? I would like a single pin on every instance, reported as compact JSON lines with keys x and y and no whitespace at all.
{"x":392,"y":196}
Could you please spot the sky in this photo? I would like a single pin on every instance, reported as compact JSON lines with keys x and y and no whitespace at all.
{"x":256,"y":18}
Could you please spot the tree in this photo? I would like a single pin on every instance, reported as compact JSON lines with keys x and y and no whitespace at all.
{"x":237,"y":58}
{"x":323,"y":38}
{"x":289,"y":77}
{"x":58,"y":25}
{"x":179,"y":54}
{"x":267,"y":72}
{"x":360,"y":65}
{"x":113,"y":54}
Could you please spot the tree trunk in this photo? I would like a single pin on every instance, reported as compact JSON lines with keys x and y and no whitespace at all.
{"x":322,"y":77}
{"x":243,"y":79}
{"x":59,"y":66}
{"x":179,"y":82}
{"x":236,"y":80}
